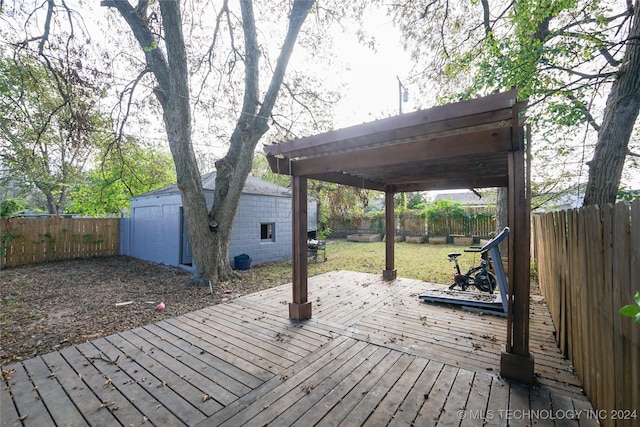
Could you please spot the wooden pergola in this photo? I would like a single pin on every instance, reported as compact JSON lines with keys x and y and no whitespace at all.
{"x":477,"y":143}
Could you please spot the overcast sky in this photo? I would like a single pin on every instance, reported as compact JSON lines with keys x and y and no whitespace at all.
{"x":372,"y":79}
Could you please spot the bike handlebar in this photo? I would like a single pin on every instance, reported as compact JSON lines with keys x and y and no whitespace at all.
{"x":496,"y":240}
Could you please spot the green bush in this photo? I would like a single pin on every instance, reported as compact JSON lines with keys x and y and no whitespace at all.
{"x":9,"y":207}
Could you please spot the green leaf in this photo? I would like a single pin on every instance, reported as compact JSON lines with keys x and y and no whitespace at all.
{"x":630,"y":311}
{"x":154,"y":45}
{"x":637,"y":298}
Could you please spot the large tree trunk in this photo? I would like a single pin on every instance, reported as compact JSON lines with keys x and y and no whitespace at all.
{"x":621,"y":112}
{"x":209,"y":231}
{"x":55,"y":205}
{"x":233,"y":169}
{"x":173,"y":94}
{"x":52,"y":208}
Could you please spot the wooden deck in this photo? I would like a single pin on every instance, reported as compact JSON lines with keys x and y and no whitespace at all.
{"x":372,"y":354}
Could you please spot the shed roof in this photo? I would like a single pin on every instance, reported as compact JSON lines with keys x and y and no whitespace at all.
{"x":459,"y":145}
{"x":252,"y":185}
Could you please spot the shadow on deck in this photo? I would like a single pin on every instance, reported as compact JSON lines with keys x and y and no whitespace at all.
{"x":372,"y":354}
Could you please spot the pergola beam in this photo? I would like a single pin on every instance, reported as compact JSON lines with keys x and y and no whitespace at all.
{"x":488,"y":141}
{"x":492,"y":108}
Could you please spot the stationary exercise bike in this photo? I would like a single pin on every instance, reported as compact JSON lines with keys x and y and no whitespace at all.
{"x":478,"y":276}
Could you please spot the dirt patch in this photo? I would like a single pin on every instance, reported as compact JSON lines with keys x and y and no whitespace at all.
{"x":45,"y":307}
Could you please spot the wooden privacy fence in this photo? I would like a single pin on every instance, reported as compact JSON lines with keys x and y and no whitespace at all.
{"x":30,"y":240}
{"x":589,"y":266}
{"x":476,"y":224}
{"x":481,"y":225}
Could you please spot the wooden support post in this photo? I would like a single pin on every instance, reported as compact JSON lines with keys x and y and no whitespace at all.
{"x":389,"y":273}
{"x":300,"y":308}
{"x":516,"y":361}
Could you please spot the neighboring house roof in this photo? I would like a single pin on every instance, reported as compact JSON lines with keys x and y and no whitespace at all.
{"x":252,"y":185}
{"x":560,"y":202}
{"x":469,"y":198}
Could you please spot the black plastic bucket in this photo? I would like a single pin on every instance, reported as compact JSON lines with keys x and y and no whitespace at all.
{"x":243,"y":262}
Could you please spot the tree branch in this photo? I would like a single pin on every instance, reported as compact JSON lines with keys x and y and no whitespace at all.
{"x":298,"y":14}
{"x":47,"y":27}
{"x":590,"y":119}
{"x":625,"y":14}
{"x":425,"y":12}
{"x":251,"y":59}
{"x":137,"y":21}
{"x":486,"y":17}
{"x":583,"y":76}
{"x":178,"y":71}
{"x":603,"y":51}
{"x":216,"y":30}
{"x":130,"y":89}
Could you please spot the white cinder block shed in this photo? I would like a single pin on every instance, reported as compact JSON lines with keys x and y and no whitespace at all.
{"x":262,"y":226}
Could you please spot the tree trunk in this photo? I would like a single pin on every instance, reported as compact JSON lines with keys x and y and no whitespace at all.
{"x":173,"y":95}
{"x":193,"y":199}
{"x":620,"y":114}
{"x":209,"y":231}
{"x":55,"y":206}
{"x":51,"y":203}
{"x":233,"y":169}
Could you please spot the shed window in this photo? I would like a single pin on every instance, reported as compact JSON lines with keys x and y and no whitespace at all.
{"x":268,"y":232}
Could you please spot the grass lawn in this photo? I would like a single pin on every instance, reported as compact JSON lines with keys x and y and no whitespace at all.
{"x":415,"y":261}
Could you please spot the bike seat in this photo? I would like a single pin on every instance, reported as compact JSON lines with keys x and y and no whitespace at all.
{"x":454,"y":255}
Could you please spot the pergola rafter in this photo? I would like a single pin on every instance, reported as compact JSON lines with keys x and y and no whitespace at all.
{"x":476,"y":143}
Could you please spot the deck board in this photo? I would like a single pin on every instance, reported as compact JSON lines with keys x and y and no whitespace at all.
{"x":161,"y":392}
{"x":373,"y":354}
{"x":241,"y":369}
{"x":373,"y":396}
{"x":110,"y":398}
{"x":30,"y":406}
{"x":60,"y":407}
{"x":345,"y":364}
{"x":331,"y":399}
{"x":78,"y":391}
{"x":409,"y":408}
{"x":185,"y":367}
{"x":519,"y":398}
{"x":130,"y":384}
{"x":300,"y":385}
{"x":434,"y":401}
{"x":498,"y":401}
{"x":477,"y":401}
{"x":386,"y":409}
{"x":246,"y":409}
{"x":363,"y":384}
{"x":172,"y":375}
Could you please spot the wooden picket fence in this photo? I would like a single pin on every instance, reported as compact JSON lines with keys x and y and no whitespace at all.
{"x":589,"y":267}
{"x":32,"y":240}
